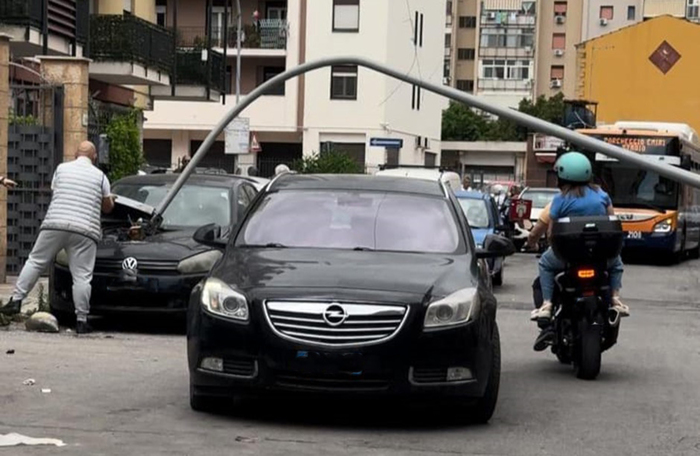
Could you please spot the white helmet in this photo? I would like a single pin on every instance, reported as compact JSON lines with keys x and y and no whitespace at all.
{"x":498,"y":189}
{"x":279,"y":169}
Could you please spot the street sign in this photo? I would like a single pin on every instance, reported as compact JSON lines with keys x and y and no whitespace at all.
{"x":237,"y":136}
{"x":394,"y":143}
{"x":254,"y":144}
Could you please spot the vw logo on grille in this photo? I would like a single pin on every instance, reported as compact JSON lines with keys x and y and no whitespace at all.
{"x":130,"y":264}
{"x":335,"y":315}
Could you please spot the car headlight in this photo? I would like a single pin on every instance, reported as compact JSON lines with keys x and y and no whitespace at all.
{"x":220,"y":299}
{"x":200,"y":263}
{"x":664,"y":226}
{"x":452,"y":310}
{"x":62,"y":258}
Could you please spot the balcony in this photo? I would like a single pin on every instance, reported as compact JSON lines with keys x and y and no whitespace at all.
{"x":505,"y":85}
{"x":127,"y":50}
{"x":199,"y":76}
{"x":63,"y":32}
{"x":266,"y":38}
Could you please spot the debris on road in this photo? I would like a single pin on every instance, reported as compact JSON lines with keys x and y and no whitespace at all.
{"x":10,"y":352}
{"x":42,"y":322}
{"x":46,"y":390}
{"x":29,"y":382}
{"x":13,"y":439}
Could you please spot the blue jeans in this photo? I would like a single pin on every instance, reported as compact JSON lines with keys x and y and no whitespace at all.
{"x":551,"y":265}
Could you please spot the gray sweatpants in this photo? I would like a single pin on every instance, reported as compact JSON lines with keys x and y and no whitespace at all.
{"x":81,"y":252}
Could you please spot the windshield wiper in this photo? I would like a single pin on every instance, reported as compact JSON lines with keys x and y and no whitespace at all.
{"x":269,"y":245}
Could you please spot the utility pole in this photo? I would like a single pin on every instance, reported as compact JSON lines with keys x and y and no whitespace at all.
{"x":239,"y":33}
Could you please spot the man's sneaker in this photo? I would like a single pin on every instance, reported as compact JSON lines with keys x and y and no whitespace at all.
{"x":543,"y":313}
{"x":619,"y":307}
{"x":82,"y":327}
{"x":11,"y":308}
{"x":544,"y":340}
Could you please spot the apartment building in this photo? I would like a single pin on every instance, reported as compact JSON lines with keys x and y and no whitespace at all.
{"x":461,"y":44}
{"x":601,"y":17}
{"x":687,"y":9}
{"x":375,"y":119}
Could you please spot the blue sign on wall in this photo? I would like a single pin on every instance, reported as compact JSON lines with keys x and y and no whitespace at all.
{"x":386,"y":142}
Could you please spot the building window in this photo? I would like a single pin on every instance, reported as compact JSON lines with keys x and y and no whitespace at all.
{"x":344,"y":82}
{"x":560,"y":8}
{"x":693,"y":9}
{"x":556,"y":73}
{"x":507,"y":38}
{"x":559,"y":41}
{"x":418,"y":30}
{"x":267,"y":73}
{"x":448,"y":40}
{"x":631,"y":13}
{"x":607,"y":12}
{"x":466,"y":54}
{"x":465,"y":85}
{"x":467,"y":22}
{"x":416,"y":98}
{"x":161,"y":12}
{"x":505,"y":69}
{"x":430,"y":159}
{"x":446,"y":69}
{"x":276,"y":10}
{"x":346,"y":15}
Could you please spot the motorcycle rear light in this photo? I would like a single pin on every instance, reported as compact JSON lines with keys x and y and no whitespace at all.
{"x":586,"y":273}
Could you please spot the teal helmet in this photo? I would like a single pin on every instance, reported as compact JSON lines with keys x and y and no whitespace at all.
{"x":574,"y":167}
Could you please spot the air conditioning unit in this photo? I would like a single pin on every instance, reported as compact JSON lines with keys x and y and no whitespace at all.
{"x":603,"y":22}
{"x":559,"y":52}
{"x":491,"y":16}
{"x":529,"y":82}
{"x":556,"y":84}
{"x":446,"y":80}
{"x":559,"y":19}
{"x":528,"y":50}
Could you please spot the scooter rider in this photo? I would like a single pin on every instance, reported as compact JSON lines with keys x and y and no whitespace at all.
{"x":578,"y":198}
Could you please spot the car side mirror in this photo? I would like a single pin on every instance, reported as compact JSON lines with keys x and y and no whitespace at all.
{"x":210,"y":235}
{"x":496,"y":247}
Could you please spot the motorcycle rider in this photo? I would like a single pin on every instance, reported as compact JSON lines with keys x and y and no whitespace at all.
{"x":578,"y":198}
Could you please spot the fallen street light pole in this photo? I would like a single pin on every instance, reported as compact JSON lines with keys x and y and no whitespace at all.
{"x":532,"y":123}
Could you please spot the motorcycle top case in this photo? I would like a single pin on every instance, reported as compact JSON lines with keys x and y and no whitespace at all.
{"x":587,"y":239}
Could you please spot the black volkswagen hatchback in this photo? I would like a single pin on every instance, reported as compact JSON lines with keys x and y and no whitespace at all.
{"x":348,"y":284}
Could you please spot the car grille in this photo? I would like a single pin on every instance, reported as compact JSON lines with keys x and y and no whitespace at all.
{"x":333,"y":324}
{"x":429,"y":375}
{"x":330,"y":382}
{"x":144,"y":266}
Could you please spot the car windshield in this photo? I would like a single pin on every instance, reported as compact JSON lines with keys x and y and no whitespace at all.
{"x":476,"y":211}
{"x":192,"y":207}
{"x":634,"y":187}
{"x":539,"y":198}
{"x":353,"y":220}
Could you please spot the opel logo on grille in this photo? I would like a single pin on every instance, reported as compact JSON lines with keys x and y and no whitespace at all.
{"x":335,"y":315}
{"x":130,"y":264}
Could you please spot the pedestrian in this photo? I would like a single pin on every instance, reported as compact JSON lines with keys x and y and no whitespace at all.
{"x":467,"y":184}
{"x":281,"y":168}
{"x":72,"y":223}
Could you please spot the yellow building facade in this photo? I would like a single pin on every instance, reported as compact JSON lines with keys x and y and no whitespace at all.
{"x":646,"y":72}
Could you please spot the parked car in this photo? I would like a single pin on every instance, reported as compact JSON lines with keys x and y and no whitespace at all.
{"x":484,"y":219}
{"x":157,"y":273}
{"x":418,"y":172}
{"x":348,"y":284}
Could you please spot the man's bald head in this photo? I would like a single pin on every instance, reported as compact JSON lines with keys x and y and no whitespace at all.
{"x":87,"y":149}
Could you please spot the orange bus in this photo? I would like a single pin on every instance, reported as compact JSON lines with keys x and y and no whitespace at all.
{"x":658,"y":214}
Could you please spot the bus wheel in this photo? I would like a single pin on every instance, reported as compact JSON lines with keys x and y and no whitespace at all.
{"x":694,"y":254}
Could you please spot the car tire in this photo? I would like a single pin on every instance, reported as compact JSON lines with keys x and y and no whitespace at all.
{"x":498,"y":278}
{"x":587,"y":367}
{"x":64,"y":317}
{"x":483,"y":410}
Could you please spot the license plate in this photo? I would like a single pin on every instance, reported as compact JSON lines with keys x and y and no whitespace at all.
{"x":634,"y":235}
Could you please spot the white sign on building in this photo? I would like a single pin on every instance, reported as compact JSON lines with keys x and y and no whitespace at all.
{"x":237,"y":136}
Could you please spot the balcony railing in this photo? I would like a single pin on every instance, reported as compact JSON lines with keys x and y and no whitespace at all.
{"x":505,"y":85}
{"x":21,"y":12}
{"x":116,"y":38}
{"x":266,"y":34}
{"x":193,"y":70}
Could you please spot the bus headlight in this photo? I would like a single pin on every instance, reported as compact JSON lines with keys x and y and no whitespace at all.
{"x":664,"y":226}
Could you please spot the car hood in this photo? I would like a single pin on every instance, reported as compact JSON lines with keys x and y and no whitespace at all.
{"x":258,"y":270}
{"x":480,"y":234}
{"x":164,"y":246}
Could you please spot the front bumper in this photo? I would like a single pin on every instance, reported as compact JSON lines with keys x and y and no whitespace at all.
{"x":164,"y":293}
{"x":661,"y":242}
{"x":412,"y":363}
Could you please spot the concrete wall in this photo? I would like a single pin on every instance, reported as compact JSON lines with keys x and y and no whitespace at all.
{"x":617,"y":72}
{"x":592,"y":27}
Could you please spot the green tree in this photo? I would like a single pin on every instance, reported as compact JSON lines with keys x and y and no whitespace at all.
{"x":125,"y":152}
{"x":331,"y":162}
{"x":461,"y":123}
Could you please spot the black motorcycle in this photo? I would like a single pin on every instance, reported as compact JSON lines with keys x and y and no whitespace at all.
{"x":583,"y":324}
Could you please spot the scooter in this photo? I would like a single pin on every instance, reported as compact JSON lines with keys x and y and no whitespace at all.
{"x":583,"y":323}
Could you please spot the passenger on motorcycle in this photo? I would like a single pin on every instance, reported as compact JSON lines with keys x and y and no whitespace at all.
{"x":578,"y":198}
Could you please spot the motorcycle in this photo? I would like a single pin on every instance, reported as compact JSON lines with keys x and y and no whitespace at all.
{"x":583,"y":323}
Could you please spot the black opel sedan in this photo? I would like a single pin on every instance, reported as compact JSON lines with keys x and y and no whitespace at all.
{"x":348,"y":284}
{"x":155,"y":273}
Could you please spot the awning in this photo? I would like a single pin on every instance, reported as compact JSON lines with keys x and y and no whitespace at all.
{"x":546,"y":157}
{"x":503,"y":5}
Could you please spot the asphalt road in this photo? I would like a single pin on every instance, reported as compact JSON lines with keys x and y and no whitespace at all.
{"x":123,"y":392}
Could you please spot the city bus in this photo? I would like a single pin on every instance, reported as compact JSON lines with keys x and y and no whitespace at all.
{"x":659,"y":215}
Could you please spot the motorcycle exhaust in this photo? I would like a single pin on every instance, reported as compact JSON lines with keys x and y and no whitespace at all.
{"x":613,"y":317}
